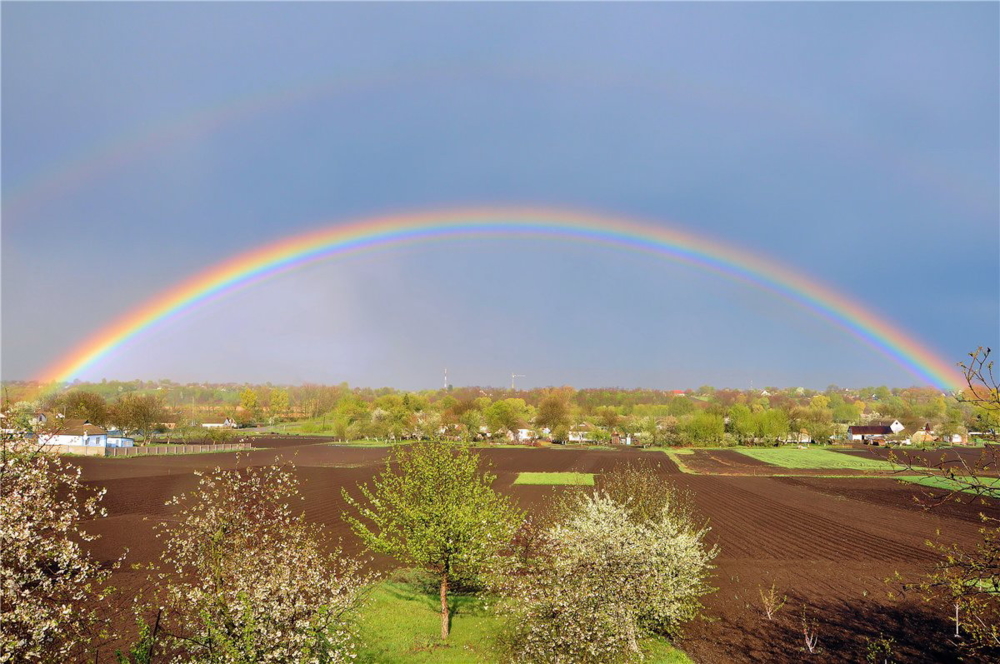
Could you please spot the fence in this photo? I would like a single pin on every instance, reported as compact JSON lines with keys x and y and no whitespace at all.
{"x":157,"y":450}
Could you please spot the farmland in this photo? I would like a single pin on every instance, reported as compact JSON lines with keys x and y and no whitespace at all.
{"x":826,"y":543}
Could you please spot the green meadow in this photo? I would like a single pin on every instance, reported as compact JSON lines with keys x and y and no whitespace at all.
{"x":402,"y":622}
{"x":991,"y":485}
{"x":556,"y":479}
{"x":813,"y":459}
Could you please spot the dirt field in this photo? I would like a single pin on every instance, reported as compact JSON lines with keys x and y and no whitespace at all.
{"x":826,"y":543}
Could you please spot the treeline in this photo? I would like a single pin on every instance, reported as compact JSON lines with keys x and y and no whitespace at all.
{"x":702,"y":416}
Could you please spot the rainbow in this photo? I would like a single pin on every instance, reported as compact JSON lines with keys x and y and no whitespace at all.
{"x":340,"y":239}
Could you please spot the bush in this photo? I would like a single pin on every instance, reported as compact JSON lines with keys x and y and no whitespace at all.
{"x":246,"y":579}
{"x":600,"y":581}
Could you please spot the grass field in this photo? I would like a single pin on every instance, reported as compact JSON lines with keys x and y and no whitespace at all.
{"x":677,"y":456}
{"x":572,"y":479}
{"x":812,"y":459}
{"x":947,"y":484}
{"x":402,"y":623}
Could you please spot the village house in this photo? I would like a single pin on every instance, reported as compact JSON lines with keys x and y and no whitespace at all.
{"x":81,"y":433}
{"x":873,"y":434}
{"x":219,"y":423}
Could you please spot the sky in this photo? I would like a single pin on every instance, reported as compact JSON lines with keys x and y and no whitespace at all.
{"x":854,"y":143}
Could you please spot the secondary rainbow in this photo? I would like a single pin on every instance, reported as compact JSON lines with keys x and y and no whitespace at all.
{"x":338,"y":239}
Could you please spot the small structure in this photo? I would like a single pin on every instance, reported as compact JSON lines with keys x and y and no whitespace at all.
{"x":873,"y":434}
{"x":81,"y":433}
{"x":621,"y":438}
{"x":580,"y":434}
{"x":219,"y":423}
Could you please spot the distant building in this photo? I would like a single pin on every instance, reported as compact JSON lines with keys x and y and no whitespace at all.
{"x":219,"y":423}
{"x":81,"y":433}
{"x":873,"y":433}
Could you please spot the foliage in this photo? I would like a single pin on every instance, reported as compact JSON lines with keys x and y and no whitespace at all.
{"x":435,"y":509}
{"x":641,"y":489}
{"x":246,"y":579}
{"x":85,"y":405}
{"x":591,"y":587}
{"x":703,"y":428}
{"x":136,"y":413}
{"x":49,"y":584}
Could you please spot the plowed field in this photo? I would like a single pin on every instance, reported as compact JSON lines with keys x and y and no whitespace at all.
{"x":828,"y":544}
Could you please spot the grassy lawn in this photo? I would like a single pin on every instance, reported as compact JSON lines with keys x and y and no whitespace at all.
{"x":677,"y":456}
{"x":812,"y":459}
{"x":947,"y":484}
{"x":575,"y":479}
{"x":370,"y":443}
{"x":402,"y":624}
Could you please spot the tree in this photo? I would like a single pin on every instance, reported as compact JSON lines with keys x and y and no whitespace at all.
{"x":136,"y":413}
{"x":279,"y":403}
{"x":435,"y":508}
{"x":507,"y":415}
{"x":741,"y":422}
{"x":49,"y":585}
{"x":704,"y":428}
{"x":250,"y":402}
{"x":246,"y":579}
{"x":86,"y":405}
{"x":602,"y":579}
{"x":554,"y":410}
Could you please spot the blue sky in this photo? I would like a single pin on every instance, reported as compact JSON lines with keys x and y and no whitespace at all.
{"x":855,"y":142}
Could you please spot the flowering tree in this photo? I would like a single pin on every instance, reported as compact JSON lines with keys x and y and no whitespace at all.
{"x":600,"y":581}
{"x":50,"y":587}
{"x":246,"y":578}
{"x":436,"y":509}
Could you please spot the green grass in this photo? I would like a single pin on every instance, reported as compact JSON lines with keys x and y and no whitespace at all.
{"x":992,"y":484}
{"x":402,"y":623}
{"x":676,"y":457}
{"x":812,"y":459}
{"x":575,"y":479}
{"x":370,"y":443}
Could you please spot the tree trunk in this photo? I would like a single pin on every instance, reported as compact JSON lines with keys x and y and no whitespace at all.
{"x":444,"y":605}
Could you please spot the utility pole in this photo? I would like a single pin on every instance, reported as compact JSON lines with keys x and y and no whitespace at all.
{"x":446,"y":379}
{"x":512,"y":377}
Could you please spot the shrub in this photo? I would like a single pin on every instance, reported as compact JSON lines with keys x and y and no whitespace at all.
{"x":600,"y":581}
{"x":246,"y":579}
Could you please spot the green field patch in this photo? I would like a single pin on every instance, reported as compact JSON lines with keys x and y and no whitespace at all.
{"x":991,"y":484}
{"x":813,"y":459}
{"x":401,"y":623}
{"x":572,"y":479}
{"x":677,"y":457}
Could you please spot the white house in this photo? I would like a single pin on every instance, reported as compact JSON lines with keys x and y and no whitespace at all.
{"x":525,"y":435}
{"x":219,"y":423}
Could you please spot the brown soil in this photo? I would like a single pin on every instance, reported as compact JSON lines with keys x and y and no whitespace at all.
{"x":828,"y":544}
{"x":978,"y":458}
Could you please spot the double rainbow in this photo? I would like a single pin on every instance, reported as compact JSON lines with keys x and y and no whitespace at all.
{"x":341,"y":239}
